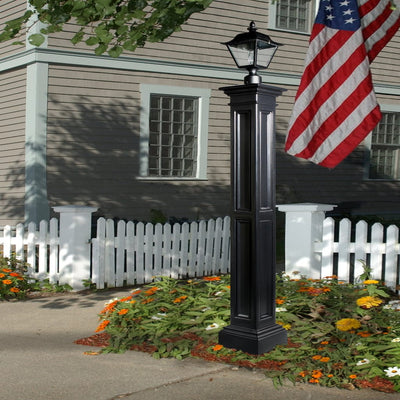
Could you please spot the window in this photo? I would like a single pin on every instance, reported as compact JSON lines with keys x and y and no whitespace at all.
{"x":292,"y":15}
{"x":384,"y":155}
{"x":174,"y":125}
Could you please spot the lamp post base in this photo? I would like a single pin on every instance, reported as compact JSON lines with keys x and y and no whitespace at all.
{"x":253,"y":341}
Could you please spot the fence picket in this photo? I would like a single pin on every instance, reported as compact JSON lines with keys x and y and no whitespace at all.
{"x":157,"y":257}
{"x":225,"y":252}
{"x":360,"y":250}
{"x":185,"y":248}
{"x":130,"y":253}
{"x":193,"y":235}
{"x":176,"y":230}
{"x":42,"y":270}
{"x":209,"y":247}
{"x":120,"y":254}
{"x":110,"y":253}
{"x":31,"y":248}
{"x":215,"y":262}
{"x":344,"y":250}
{"x":19,"y":241}
{"x":139,"y":242}
{"x":328,"y":234}
{"x":376,"y":251}
{"x":391,"y":268}
{"x":99,"y":254}
{"x":201,"y":248}
{"x":7,"y":241}
{"x":53,"y":250}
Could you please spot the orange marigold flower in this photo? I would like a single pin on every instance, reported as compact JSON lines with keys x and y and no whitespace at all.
{"x":303,"y":373}
{"x":2,"y":275}
{"x":217,"y":347}
{"x":317,"y":374}
{"x":180,"y":299}
{"x":331,"y":277}
{"x":102,"y":325}
{"x":151,"y":291}
{"x":364,"y":334}
{"x":6,"y":270}
{"x":330,"y":375}
{"x":123,"y":311}
{"x":369,"y":302}
{"x":347,"y":324}
{"x":325,"y":342}
{"x":7,"y":281}
{"x":126,"y":299}
{"x":279,"y":301}
{"x":353,"y":376}
{"x":211,"y":278}
{"x":14,"y":290}
{"x":313,"y":380}
{"x":324,"y":359}
{"x":15,"y":274}
{"x":317,"y":357}
{"x":149,"y":300}
{"x":370,"y":282}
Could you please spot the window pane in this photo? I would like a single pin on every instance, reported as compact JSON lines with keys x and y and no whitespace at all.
{"x":173,"y":136}
{"x":293,"y":15}
{"x":385,"y":148}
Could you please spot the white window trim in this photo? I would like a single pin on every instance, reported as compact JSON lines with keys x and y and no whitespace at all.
{"x":204,"y":104}
{"x":385,"y":108}
{"x":272,"y":18}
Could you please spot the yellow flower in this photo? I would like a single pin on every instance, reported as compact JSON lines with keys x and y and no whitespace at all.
{"x":371,"y":282}
{"x":369,"y":302}
{"x":347,"y":324}
{"x":286,"y":326}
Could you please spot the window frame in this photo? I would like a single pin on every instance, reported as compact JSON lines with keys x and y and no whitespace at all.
{"x":203,"y":96}
{"x":273,"y":12}
{"x":368,"y":145}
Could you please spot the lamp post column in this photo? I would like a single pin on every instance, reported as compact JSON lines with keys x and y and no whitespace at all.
{"x":253,"y":328}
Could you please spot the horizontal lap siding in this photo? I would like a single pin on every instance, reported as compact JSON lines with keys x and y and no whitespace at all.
{"x":12,"y":146}
{"x":11,"y":9}
{"x":93,"y":147}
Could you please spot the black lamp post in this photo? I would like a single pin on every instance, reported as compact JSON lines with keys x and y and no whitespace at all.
{"x":253,"y":328}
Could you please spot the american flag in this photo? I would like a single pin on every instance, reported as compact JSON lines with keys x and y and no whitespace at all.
{"x":335,"y":106}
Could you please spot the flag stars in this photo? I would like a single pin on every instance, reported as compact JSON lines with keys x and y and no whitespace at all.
{"x":330,"y":17}
{"x":348,"y":12}
{"x":344,"y":3}
{"x":350,"y":21}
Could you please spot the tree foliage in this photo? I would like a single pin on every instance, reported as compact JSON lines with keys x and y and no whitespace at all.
{"x":110,"y":26}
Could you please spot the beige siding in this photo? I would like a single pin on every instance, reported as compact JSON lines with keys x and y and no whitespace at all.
{"x":93,"y":147}
{"x":12,"y":146}
{"x":10,"y":9}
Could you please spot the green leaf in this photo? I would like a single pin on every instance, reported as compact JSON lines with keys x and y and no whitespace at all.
{"x":36,"y":39}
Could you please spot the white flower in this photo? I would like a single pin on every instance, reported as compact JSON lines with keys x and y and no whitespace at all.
{"x":218,"y":293}
{"x":156,"y":318}
{"x":393,"y":305}
{"x":162,"y":314}
{"x":280,"y":309}
{"x":396,"y":340}
{"x":392,"y":371}
{"x":212,"y":326}
{"x":364,"y":361}
{"x":111,"y":301}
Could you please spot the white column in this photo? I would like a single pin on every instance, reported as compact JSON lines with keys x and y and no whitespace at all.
{"x":303,"y":228}
{"x":75,"y":235}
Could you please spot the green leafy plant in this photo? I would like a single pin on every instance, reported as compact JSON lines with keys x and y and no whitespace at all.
{"x":13,"y":280}
{"x":110,"y":26}
{"x":340,"y":334}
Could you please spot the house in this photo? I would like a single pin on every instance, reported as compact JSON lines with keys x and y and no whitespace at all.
{"x":150,"y":129}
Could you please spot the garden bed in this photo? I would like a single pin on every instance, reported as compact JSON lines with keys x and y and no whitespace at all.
{"x":327,"y":322}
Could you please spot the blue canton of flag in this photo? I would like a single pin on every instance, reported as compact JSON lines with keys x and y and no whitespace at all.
{"x":339,"y":14}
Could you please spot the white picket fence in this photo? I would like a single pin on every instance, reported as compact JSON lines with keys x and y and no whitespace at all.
{"x":316,"y":247}
{"x":39,"y":248}
{"x":375,"y":246}
{"x":136,"y":253}
{"x":121,"y":253}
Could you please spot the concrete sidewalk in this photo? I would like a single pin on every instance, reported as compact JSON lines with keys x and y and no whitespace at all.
{"x":39,"y":361}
